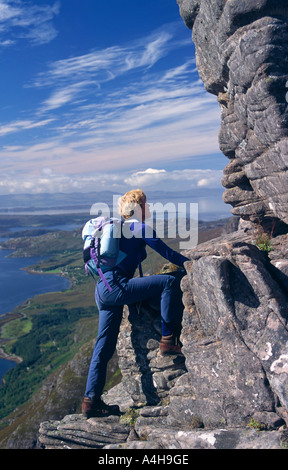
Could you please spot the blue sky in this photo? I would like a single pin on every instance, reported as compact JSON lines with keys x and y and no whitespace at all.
{"x":103,"y":95}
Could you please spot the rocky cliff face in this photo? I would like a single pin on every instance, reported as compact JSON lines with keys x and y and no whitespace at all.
{"x":241,"y":54}
{"x":234,"y":334}
{"x":233,"y":379}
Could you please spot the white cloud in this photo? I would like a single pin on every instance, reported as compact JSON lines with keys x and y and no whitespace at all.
{"x":49,"y":180}
{"x":20,"y":19}
{"x":149,"y":120}
{"x":147,"y":177}
{"x":63,"y":96}
{"x":114,"y":127}
{"x":76,"y":76}
{"x":175,"y":179}
{"x":7,"y":43}
{"x":7,"y":11}
{"x":107,"y":64}
{"x":23,"y":125}
{"x":203,"y":182}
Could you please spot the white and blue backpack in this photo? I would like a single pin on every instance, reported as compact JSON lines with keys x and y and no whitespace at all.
{"x":101,"y":251}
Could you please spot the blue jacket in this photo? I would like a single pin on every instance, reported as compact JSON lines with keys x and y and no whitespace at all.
{"x":134,"y":248}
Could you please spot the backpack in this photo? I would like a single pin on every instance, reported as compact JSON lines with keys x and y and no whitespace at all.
{"x":101,"y":251}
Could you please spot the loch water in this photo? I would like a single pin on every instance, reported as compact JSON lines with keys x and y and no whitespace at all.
{"x":17,"y":285}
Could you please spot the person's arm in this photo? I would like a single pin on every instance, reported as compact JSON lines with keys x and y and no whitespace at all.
{"x":150,"y":237}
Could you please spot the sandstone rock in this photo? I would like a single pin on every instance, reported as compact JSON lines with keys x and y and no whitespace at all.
{"x":146,"y":375}
{"x":241,"y":57}
{"x":234,"y":336}
{"x":75,"y":432}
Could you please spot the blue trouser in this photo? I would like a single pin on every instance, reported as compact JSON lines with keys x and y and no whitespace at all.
{"x":127,"y":291}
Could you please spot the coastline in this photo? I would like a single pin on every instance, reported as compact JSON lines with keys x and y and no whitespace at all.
{"x":15,"y":314}
{"x":6,"y":357}
{"x":4,"y":319}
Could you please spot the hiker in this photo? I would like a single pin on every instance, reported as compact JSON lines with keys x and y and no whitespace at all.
{"x":127,"y":290}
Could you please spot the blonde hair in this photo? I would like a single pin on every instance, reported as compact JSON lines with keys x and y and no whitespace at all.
{"x":130,"y":200}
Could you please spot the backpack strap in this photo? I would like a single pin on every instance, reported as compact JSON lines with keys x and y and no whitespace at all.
{"x":104,"y":279}
{"x":96,"y":259}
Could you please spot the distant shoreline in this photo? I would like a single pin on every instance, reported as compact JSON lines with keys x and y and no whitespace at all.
{"x":7,"y":357}
{"x":15,"y":314}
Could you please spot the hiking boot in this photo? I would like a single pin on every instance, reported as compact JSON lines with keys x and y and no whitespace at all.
{"x":170,"y":345}
{"x":98,"y":409}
